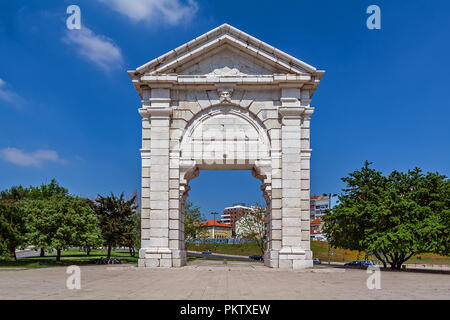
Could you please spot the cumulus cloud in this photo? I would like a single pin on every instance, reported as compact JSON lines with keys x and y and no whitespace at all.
{"x":169,"y":11}
{"x":7,"y":94}
{"x":97,"y":49}
{"x":27,"y":159}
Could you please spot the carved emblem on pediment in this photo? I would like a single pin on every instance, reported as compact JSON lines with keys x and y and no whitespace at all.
{"x":225,"y":94}
{"x":227,"y":63}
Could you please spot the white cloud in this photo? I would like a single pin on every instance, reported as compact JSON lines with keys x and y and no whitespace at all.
{"x":97,"y":49}
{"x":169,"y":11}
{"x":10,"y":96}
{"x":36,"y":158}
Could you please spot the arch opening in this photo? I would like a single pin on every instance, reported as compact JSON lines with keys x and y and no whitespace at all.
{"x":231,"y":194}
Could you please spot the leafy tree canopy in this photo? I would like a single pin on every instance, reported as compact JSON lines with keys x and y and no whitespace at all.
{"x":393,"y":217}
{"x":44,"y":191}
{"x":61,"y":221}
{"x":192,"y":221}
{"x":13,"y":231}
{"x":12,"y":228}
{"x":117,"y":218}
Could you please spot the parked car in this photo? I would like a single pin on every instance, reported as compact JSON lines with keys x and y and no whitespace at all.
{"x":367,"y":263}
{"x":360,"y":263}
{"x":317,"y":261}
{"x":207,"y":251}
{"x":256,"y":257}
{"x":354,"y":263}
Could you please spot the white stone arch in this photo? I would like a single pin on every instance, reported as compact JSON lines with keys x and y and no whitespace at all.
{"x":243,"y":137}
{"x":192,"y":158}
{"x":265,"y":94}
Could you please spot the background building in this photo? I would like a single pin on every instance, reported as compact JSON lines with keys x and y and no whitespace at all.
{"x":215,"y":229}
{"x":316,"y":230}
{"x":232,"y":214}
{"x":318,"y":205}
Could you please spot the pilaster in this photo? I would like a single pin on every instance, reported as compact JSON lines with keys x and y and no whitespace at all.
{"x":156,"y":113}
{"x":294,"y":252}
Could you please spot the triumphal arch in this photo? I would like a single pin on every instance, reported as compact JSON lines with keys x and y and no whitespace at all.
{"x":222,"y":101}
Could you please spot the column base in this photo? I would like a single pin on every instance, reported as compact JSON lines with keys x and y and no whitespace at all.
{"x":161,"y":258}
{"x":288,"y":258}
{"x":294,"y":258}
{"x":271,"y":258}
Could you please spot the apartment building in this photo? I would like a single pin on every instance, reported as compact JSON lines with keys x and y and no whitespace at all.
{"x":318,"y":205}
{"x":232,"y":214}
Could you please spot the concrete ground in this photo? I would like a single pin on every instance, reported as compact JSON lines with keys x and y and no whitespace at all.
{"x":216,"y":280}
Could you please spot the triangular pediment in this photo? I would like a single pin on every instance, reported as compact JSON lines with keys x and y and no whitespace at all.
{"x":226,"y":61}
{"x":227,"y":51}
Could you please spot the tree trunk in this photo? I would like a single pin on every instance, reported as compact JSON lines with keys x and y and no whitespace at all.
{"x":88,"y":251}
{"x":13,"y":254}
{"x":42,"y":254}
{"x":109,"y":252}
{"x":58,"y":255}
{"x":397,"y":262}
{"x":383,"y":261}
{"x":260,"y":245}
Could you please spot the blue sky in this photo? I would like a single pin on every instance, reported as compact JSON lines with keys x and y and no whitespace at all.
{"x":68,"y":109}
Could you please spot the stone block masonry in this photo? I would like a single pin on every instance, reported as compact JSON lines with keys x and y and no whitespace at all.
{"x":226,"y":101}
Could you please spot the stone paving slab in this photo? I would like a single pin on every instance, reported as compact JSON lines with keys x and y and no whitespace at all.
{"x":234,"y":281}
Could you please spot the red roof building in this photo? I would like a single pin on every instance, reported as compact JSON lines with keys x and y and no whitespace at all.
{"x":215,"y":229}
{"x":316,"y":229}
{"x":214,"y":222}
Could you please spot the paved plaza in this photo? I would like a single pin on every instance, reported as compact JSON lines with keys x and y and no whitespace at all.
{"x":215,"y":280}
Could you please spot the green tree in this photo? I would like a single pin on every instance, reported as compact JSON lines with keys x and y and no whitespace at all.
{"x":252,"y":225}
{"x":44,"y":191}
{"x":62,"y":221}
{"x":192,"y":221}
{"x":132,"y":234}
{"x":12,"y":228}
{"x":15,"y":193}
{"x":393,"y":217}
{"x":117,"y":218}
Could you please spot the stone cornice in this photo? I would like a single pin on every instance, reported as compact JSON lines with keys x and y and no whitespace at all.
{"x":152,"y":112}
{"x":175,"y":81}
{"x":295,"y":112}
{"x":166,"y":80}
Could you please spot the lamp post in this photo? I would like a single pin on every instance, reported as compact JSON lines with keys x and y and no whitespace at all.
{"x":214,"y":229}
{"x":329,"y":207}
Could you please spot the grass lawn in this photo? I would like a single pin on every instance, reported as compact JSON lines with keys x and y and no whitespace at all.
{"x":68,"y":257}
{"x":319,"y":249}
{"x":79,"y":257}
{"x":189,"y":259}
{"x":243,"y":249}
